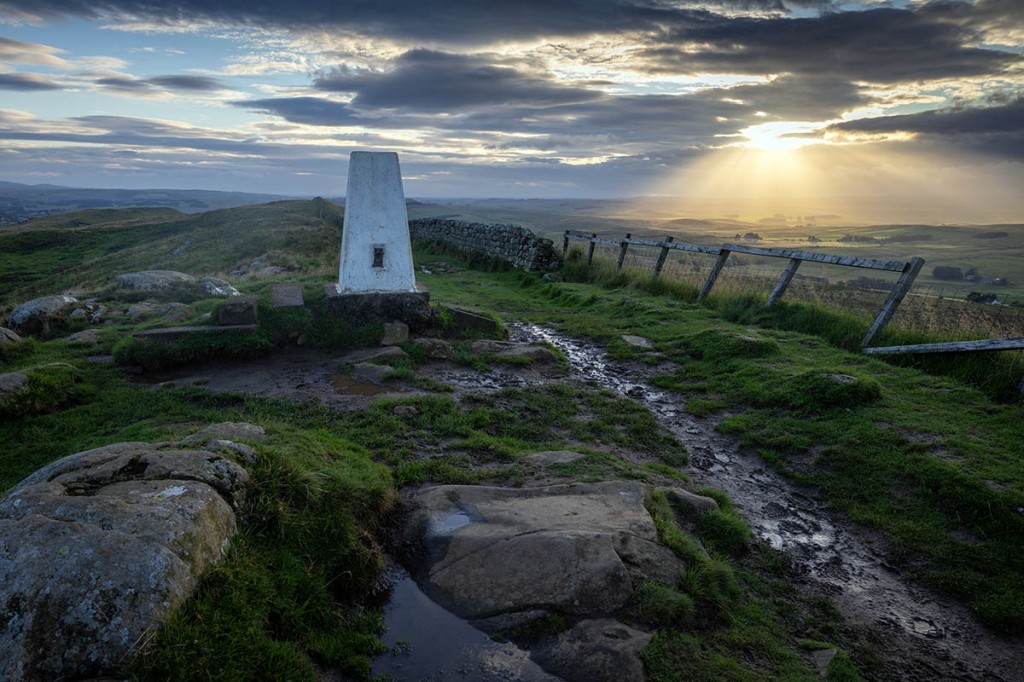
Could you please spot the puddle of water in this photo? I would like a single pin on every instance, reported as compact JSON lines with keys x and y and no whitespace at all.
{"x":426,"y":642}
{"x":449,"y":523}
{"x":345,"y":384}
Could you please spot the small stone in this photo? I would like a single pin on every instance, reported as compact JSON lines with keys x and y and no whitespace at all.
{"x":286,"y":295}
{"x":405,"y":411}
{"x":87,"y":336}
{"x":637,"y":341}
{"x":365,"y":371}
{"x":698,"y":504}
{"x":11,"y":382}
{"x":395,"y":333}
{"x":364,"y":354}
{"x":822,"y":658}
{"x":553,"y":457}
{"x":437,"y":349}
{"x":238,"y":310}
{"x":8,"y":336}
{"x":218,"y":287}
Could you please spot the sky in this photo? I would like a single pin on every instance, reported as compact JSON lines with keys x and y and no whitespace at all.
{"x":803,"y":105}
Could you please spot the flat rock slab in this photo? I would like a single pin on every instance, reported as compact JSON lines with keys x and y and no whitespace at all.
{"x":238,"y":310}
{"x":553,"y":457}
{"x":98,"y":548}
{"x":175,"y":334}
{"x":637,"y":341}
{"x":576,"y":550}
{"x":286,"y":295}
{"x":383,"y":353}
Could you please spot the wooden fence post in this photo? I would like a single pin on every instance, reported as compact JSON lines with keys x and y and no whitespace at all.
{"x":783,"y":283}
{"x":661,"y":258}
{"x":590,"y":254}
{"x":565,"y":243}
{"x":892,"y":303}
{"x":623,"y":245}
{"x":723,"y":256}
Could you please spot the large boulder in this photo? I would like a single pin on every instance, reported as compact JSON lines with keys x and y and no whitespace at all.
{"x":97,"y":548}
{"x":41,"y":316}
{"x":502,"y":556}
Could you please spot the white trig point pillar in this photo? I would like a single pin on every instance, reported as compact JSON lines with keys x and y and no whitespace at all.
{"x":376,"y":254}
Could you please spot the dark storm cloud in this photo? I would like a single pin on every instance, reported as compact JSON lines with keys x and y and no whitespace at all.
{"x":458,"y":21}
{"x":426,"y":80}
{"x":1003,"y":118}
{"x":307,"y":110}
{"x":187,"y":83}
{"x":880,"y":46}
{"x":142,"y":86}
{"x":992,"y":131}
{"x":652,"y":120}
{"x":798,"y":97}
{"x":26,"y":82}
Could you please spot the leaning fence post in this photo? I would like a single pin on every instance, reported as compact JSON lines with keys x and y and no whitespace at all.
{"x":723,"y":256}
{"x":565,"y":243}
{"x":900,"y":290}
{"x":783,"y":283}
{"x":661,"y":258}
{"x":590,"y":254}
{"x":623,"y":245}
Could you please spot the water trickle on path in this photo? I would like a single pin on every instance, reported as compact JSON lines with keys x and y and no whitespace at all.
{"x":948,"y":642}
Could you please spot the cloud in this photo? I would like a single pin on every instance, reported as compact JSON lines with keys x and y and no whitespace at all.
{"x":26,"y":82}
{"x":452,"y":21}
{"x":308,"y":110}
{"x":996,"y":130}
{"x":17,"y":52}
{"x":157,"y":86}
{"x":186,"y":83}
{"x":427,"y":80}
{"x":879,"y":46}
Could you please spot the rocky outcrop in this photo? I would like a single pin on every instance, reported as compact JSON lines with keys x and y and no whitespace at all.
{"x":504,"y":556}
{"x":97,"y":548}
{"x":516,"y":244}
{"x":41,"y":316}
{"x":169,"y":283}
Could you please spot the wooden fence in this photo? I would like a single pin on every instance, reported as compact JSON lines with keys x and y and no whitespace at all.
{"x":908,"y":269}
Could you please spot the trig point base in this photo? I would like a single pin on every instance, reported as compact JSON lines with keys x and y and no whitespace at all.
{"x":376,"y":279}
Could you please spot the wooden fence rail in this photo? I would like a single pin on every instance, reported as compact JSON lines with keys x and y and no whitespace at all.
{"x":908,"y":269}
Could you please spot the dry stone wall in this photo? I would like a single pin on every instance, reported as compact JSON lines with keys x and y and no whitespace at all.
{"x":516,"y":244}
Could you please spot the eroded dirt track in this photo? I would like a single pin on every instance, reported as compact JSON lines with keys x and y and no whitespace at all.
{"x":917,"y":634}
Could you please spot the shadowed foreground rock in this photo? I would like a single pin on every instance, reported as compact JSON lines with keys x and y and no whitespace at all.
{"x":97,"y":548}
{"x":506,"y":556}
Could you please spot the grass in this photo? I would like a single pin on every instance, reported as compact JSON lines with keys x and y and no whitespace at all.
{"x":932,"y":463}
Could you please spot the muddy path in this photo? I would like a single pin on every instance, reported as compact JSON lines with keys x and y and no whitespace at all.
{"x":914,"y":633}
{"x":917,"y":634}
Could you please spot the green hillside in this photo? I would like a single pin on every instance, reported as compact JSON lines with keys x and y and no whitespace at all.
{"x":929,"y":466}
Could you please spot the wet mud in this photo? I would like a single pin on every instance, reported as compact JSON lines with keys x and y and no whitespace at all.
{"x":913,"y":632}
{"x":916,"y":633}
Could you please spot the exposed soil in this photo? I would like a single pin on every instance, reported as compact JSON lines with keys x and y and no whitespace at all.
{"x":916,"y":633}
{"x":913,"y":632}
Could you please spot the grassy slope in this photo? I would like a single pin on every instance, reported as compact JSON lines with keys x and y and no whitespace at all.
{"x":932,"y":464}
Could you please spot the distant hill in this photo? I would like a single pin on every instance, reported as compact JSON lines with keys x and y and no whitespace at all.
{"x":87,"y":249}
{"x":19,"y":202}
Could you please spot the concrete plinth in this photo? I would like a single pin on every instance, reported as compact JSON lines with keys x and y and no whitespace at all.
{"x":410,"y":307}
